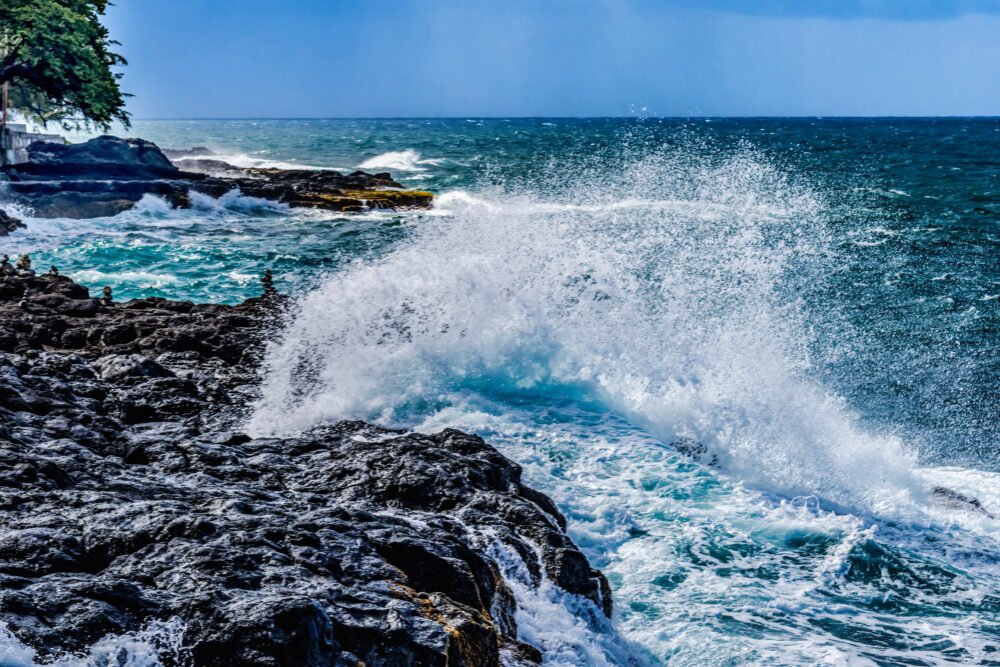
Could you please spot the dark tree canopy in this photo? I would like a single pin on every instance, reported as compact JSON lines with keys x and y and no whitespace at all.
{"x":57,"y":56}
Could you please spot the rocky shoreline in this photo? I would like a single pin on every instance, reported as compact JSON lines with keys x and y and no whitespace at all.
{"x":107,"y":175}
{"x":129,"y":496}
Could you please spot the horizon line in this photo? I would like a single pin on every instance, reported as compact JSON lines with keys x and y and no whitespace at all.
{"x":622,"y":117}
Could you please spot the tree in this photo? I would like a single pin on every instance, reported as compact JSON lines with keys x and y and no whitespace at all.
{"x":57,"y":57}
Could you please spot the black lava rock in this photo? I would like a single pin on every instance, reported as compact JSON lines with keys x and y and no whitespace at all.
{"x":108,"y":175}
{"x":127,"y":498}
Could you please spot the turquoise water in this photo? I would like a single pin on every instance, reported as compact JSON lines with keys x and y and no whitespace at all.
{"x":814,"y":301}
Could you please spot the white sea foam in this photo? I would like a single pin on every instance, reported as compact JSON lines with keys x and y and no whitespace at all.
{"x":407,"y":160}
{"x":234,"y":200}
{"x":568,"y":629}
{"x":144,"y":279}
{"x":694,"y":558}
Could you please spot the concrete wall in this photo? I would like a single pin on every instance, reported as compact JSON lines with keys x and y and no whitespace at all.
{"x":15,"y":140}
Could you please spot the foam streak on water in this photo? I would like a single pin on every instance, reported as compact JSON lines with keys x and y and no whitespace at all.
{"x":584,"y":333}
{"x":159,"y":640}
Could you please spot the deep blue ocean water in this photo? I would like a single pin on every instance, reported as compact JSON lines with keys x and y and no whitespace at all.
{"x":816,"y":302}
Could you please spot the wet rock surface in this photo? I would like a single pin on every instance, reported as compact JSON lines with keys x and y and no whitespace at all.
{"x":128,"y":495}
{"x":107,"y":175}
{"x":100,"y":158}
{"x":8,"y":223}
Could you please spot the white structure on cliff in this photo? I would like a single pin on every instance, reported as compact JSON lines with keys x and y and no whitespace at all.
{"x":14,"y":140}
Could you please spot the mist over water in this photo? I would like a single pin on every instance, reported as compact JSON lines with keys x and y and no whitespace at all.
{"x":810,"y":304}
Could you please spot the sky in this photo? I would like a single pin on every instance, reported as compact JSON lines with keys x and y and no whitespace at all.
{"x":471,"y":58}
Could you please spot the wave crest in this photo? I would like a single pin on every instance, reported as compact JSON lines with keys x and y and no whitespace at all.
{"x":407,"y":160}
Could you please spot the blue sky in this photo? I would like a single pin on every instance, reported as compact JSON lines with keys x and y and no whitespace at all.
{"x":390,"y":58}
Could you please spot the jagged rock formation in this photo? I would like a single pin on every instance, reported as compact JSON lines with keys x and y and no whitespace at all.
{"x":107,"y":175}
{"x":8,"y":223}
{"x":126,"y":495}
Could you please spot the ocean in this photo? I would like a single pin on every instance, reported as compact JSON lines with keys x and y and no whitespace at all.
{"x":740,"y":354}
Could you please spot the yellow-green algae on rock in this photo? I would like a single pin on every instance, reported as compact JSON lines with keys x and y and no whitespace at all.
{"x":362,"y":200}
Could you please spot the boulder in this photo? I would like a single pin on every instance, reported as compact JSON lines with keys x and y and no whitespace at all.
{"x":102,"y":157}
{"x":8,"y":223}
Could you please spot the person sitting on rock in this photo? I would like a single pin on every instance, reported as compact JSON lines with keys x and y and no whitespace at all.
{"x":106,"y":296}
{"x":24,"y":266}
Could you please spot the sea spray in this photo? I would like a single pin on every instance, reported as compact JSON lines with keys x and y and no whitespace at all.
{"x":680,"y":311}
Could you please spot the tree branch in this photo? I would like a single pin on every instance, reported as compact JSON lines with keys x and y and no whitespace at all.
{"x":16,"y":71}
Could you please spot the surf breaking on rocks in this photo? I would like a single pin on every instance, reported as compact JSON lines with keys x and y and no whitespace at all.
{"x":679,"y":313}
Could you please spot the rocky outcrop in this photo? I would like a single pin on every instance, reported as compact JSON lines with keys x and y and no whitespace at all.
{"x":100,"y":158}
{"x":51,"y":312}
{"x":127,"y":496}
{"x":107,"y":175}
{"x":8,"y":223}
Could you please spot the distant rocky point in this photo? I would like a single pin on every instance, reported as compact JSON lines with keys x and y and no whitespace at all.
{"x":107,"y":175}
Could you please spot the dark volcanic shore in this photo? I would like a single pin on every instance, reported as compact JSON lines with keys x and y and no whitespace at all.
{"x":108,"y":175}
{"x":127,"y":495}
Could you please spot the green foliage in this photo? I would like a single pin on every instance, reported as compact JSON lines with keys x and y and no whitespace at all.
{"x":57,"y":56}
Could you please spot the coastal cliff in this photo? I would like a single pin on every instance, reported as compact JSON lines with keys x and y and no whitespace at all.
{"x":129,"y":496}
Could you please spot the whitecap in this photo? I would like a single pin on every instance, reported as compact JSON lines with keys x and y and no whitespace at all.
{"x":144,"y":279}
{"x":152,"y":205}
{"x":407,"y":160}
